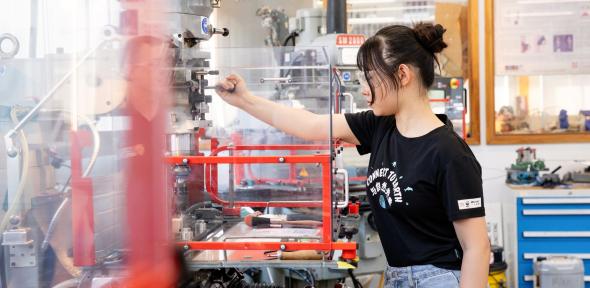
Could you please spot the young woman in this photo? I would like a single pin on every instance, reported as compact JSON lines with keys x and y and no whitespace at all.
{"x":424,"y":183}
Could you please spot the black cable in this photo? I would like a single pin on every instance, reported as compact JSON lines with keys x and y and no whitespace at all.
{"x":303,"y":276}
{"x":355,"y":281}
{"x":291,"y":37}
{"x":311,"y":277}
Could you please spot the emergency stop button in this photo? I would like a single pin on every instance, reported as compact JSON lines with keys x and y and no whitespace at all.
{"x":454,"y":83}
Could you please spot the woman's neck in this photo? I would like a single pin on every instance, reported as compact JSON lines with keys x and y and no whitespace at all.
{"x":415,"y":118}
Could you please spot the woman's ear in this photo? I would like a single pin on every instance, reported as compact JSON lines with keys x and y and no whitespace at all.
{"x":404,"y":75}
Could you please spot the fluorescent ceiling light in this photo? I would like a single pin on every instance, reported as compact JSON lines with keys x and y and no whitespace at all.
{"x":378,"y":9}
{"x":364,"y":2}
{"x":541,"y":14}
{"x":550,"y":1}
{"x":386,"y":20}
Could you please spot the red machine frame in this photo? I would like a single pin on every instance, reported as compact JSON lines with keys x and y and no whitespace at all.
{"x":211,"y":162}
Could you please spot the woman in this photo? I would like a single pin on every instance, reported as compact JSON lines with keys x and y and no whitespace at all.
{"x":423,"y":182}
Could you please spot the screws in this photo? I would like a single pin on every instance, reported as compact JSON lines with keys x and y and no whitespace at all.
{"x":283,"y":247}
{"x":184,"y":161}
{"x":282,"y":159}
{"x":185,"y":247}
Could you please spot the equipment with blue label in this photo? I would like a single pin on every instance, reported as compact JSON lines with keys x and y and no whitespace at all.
{"x":346,"y":76}
{"x":204,"y":25}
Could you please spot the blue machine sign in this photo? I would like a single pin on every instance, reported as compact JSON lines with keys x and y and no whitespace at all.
{"x":204,"y":27}
{"x":346,"y":75}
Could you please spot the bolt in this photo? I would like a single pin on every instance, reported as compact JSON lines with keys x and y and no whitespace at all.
{"x":186,"y":247}
{"x":283,"y":247}
{"x":282,"y":159}
{"x":184,"y":161}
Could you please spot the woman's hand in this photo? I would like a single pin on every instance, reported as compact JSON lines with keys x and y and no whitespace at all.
{"x":233,"y":90}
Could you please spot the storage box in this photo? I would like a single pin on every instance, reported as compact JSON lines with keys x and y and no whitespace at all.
{"x":559,"y":272}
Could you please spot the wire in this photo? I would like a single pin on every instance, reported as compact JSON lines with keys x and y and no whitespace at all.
{"x":51,"y":227}
{"x":23,"y":176}
{"x":82,"y":278}
{"x":94,"y":155}
{"x":355,"y":281}
{"x":311,"y":277}
{"x":291,"y":37}
{"x":303,"y":276}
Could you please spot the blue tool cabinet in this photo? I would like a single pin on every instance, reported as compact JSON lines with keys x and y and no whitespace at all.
{"x":551,"y":222}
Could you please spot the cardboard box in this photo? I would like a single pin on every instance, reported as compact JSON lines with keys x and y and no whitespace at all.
{"x":453,"y":60}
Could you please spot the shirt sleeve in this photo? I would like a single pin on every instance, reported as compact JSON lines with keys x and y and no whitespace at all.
{"x":462,"y":190}
{"x":363,"y":126}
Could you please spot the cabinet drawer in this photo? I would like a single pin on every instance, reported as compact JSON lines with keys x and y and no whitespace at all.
{"x":552,"y":226}
{"x":556,"y":200}
{"x":553,"y":214}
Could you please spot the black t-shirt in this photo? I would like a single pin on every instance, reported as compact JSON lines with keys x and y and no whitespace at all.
{"x":417,"y":187}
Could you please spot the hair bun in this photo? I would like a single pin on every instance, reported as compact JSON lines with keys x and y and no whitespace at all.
{"x":430,"y":36}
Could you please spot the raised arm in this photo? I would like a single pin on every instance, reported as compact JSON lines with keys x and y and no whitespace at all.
{"x":293,"y":121}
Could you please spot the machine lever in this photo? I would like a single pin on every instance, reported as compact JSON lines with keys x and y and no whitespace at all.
{"x":276,"y":79}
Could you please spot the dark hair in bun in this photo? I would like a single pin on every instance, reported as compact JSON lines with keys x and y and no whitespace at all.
{"x":394,"y":45}
{"x":430,"y":36}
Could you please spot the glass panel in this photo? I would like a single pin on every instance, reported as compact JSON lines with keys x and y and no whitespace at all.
{"x":291,"y":186}
{"x":66,"y":100}
{"x":547,"y":96}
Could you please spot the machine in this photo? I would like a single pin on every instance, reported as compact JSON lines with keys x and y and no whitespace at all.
{"x":99,"y":170}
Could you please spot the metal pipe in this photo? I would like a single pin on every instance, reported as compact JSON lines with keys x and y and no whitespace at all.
{"x":336,"y":16}
{"x":351,"y":101}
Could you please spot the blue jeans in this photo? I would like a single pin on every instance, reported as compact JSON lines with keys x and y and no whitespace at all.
{"x":421,"y":276}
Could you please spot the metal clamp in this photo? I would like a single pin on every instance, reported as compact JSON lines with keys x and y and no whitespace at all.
{"x":15,"y":46}
{"x":344,"y":173}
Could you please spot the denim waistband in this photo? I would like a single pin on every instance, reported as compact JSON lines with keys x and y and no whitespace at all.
{"x":417,"y":271}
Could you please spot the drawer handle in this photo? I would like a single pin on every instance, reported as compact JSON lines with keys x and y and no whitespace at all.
{"x":531,"y":277}
{"x":555,"y":234}
{"x":533,"y":256}
{"x":547,"y":212}
{"x":556,"y":200}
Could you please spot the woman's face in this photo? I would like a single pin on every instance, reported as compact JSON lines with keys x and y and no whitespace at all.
{"x":385,"y":100}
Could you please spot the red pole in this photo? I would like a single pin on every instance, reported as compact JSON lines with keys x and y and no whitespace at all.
{"x":82,"y":204}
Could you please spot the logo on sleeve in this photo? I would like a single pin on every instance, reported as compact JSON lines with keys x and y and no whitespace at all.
{"x":469,"y":203}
